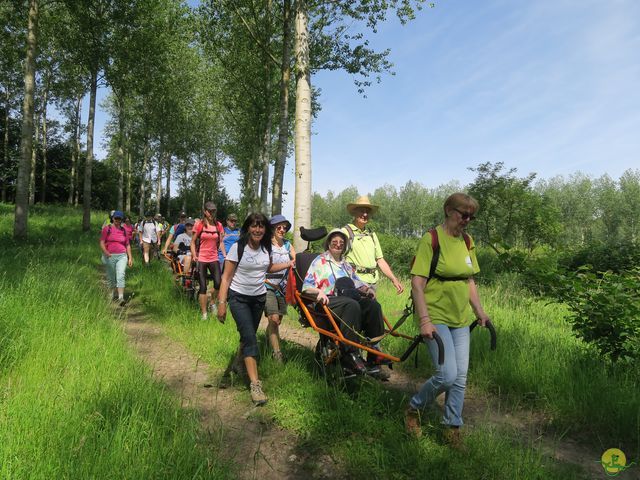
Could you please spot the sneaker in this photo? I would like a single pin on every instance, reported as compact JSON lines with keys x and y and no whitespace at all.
{"x":278,"y":357}
{"x":412,"y":422}
{"x":204,"y":316}
{"x":373,"y":359}
{"x":122,"y":302}
{"x":382,"y":373}
{"x":257,"y":395}
{"x":353,"y":361}
{"x":453,"y":437}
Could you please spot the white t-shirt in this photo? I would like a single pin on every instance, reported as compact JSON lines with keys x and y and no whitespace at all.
{"x":183,"y":238}
{"x":149,"y":230}
{"x":250,"y":272}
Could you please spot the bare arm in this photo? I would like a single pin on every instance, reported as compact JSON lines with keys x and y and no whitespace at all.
{"x":194,"y":239}
{"x":386,"y":269}
{"x":476,"y":306}
{"x":418,"y":284}
{"x":103,"y":247}
{"x":167,"y":243}
{"x":227,"y":275}
{"x":321,"y":297}
{"x":129,"y":256}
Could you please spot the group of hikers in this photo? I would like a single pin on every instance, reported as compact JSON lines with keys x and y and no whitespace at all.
{"x":249,"y":267}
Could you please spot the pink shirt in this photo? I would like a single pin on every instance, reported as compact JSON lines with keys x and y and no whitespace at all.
{"x":209,"y":241}
{"x":115,"y":239}
{"x":129,"y":230}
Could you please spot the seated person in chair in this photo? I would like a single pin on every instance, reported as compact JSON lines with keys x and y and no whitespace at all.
{"x":351,"y":302}
{"x":182,"y":244}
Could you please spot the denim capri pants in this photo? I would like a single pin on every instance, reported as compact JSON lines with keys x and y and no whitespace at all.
{"x":247,"y":312}
{"x":116,"y":267}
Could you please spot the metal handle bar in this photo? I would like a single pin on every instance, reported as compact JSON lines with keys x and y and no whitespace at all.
{"x":418,"y":340}
{"x":492,"y":331}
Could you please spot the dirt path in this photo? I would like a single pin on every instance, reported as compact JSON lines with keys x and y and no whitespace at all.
{"x":529,"y":427}
{"x":258,"y":447}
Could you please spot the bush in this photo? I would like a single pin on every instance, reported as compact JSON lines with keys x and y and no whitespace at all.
{"x":398,"y":252}
{"x":602,"y":257}
{"x":605,"y":310}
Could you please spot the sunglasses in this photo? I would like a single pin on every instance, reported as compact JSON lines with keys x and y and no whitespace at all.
{"x":465,"y":215}
{"x":281,"y":227}
{"x":337,"y":244}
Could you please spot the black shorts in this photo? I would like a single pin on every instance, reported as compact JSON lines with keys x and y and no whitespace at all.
{"x":214,"y":273}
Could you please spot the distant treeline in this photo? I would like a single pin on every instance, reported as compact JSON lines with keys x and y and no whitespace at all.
{"x":515,"y":211}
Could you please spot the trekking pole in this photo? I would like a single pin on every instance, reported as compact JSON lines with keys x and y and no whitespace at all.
{"x":492,"y":331}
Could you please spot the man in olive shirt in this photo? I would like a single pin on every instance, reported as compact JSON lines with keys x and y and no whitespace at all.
{"x":365,"y":254}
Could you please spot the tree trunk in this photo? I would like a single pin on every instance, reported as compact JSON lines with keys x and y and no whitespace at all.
{"x":26,"y":141}
{"x":74,"y":140}
{"x":143,"y":183}
{"x":159,"y":179}
{"x":266,"y":149}
{"x":5,"y":149}
{"x":302,"y":206}
{"x":167,"y":187}
{"x":283,"y":129}
{"x":86,"y":194}
{"x":76,"y":178}
{"x":34,"y":160}
{"x":45,"y":99}
{"x":120,"y":157}
{"x":128,"y":201}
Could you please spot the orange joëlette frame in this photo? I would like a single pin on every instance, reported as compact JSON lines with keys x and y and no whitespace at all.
{"x":337,"y":334}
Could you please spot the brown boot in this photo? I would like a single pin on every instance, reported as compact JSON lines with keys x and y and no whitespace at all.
{"x":412,"y":422}
{"x":453,"y":437}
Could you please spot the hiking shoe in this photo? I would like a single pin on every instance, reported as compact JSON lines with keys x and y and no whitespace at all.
{"x":204,"y":316}
{"x":237,"y":366}
{"x":453,"y":437}
{"x":257,"y":395}
{"x":278,"y":357}
{"x":353,"y":362}
{"x":412,"y":422}
{"x":373,"y":359}
{"x":381,"y":373}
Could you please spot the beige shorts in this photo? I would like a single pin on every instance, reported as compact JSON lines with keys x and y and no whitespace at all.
{"x":275,"y":304}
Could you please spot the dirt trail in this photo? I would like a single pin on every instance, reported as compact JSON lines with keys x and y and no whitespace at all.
{"x":258,"y":447}
{"x":529,"y":427}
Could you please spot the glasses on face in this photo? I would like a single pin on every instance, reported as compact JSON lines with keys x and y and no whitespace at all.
{"x":336,"y":244}
{"x":465,"y":215}
{"x":231,"y":221}
{"x":212,"y":212}
{"x":117,"y":218}
{"x":363,"y":211}
{"x":281,"y":227}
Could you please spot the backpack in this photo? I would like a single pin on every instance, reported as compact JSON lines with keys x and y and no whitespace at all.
{"x":352,"y":235}
{"x":435,"y":246}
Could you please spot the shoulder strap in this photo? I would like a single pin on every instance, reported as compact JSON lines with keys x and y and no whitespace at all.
{"x":467,"y":240}
{"x":240,"y":251}
{"x":435,"y":246}
{"x":350,"y":232}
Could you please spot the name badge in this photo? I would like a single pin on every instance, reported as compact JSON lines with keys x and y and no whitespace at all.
{"x":468,"y":261}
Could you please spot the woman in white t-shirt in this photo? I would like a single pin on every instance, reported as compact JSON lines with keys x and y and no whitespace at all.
{"x":243,"y":286}
{"x":148,"y":231}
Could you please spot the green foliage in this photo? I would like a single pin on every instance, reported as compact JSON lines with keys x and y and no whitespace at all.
{"x":399,"y":252}
{"x":74,"y":401}
{"x":605,"y":310}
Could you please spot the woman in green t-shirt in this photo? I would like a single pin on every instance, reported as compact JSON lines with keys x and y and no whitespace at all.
{"x":443,"y":302}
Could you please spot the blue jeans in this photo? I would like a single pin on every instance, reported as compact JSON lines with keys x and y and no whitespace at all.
{"x":247,"y":312}
{"x":116,"y":267}
{"x":450,"y":377}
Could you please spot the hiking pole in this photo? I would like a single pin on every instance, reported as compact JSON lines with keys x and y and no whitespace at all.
{"x":492,"y":331}
{"x":418,"y":339}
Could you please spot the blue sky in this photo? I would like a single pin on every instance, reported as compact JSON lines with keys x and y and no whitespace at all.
{"x":549,"y":86}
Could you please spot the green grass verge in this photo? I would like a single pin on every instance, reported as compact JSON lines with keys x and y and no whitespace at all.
{"x":74,"y":402}
{"x":539,"y":363}
{"x":362,"y":425}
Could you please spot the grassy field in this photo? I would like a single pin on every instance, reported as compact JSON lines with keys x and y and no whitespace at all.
{"x":538,"y":365}
{"x":74,"y":402}
{"x":67,"y":410}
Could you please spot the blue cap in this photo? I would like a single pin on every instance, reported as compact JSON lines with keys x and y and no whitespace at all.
{"x":118,"y":214}
{"x":280,"y":219}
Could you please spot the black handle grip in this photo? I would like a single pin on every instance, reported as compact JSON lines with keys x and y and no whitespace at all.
{"x":418,"y":340}
{"x":492,"y":331}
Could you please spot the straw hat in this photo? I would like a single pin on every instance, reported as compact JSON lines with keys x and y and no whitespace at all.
{"x":362,"y":201}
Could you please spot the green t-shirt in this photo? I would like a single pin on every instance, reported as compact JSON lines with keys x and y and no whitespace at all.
{"x":447,"y":301}
{"x":365,"y":253}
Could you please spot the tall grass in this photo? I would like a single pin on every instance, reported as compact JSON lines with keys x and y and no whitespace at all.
{"x":539,"y":363}
{"x":362,"y":425}
{"x":74,"y":401}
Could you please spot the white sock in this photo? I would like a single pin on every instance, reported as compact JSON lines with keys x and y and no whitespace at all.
{"x":204,"y":316}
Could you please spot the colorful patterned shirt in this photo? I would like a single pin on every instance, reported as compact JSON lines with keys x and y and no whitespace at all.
{"x":324,"y":271}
